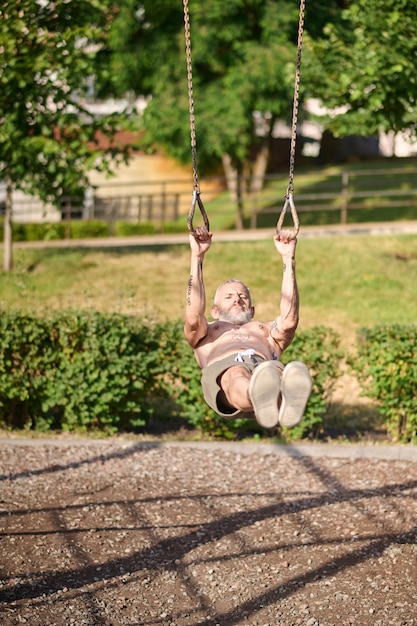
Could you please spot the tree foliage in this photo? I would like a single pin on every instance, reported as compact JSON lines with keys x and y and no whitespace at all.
{"x":48,"y":138}
{"x":243,"y":54}
{"x":365,"y":64}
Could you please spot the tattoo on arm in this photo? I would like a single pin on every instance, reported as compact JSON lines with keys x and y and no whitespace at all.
{"x":284,"y":265}
{"x":189,"y":288}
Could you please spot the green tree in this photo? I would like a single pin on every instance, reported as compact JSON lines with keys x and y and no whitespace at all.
{"x":244,"y":55}
{"x":48,"y":139}
{"x":365,"y":63}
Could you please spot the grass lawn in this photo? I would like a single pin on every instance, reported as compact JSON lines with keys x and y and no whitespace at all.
{"x":344,"y":282}
{"x":384,"y":188}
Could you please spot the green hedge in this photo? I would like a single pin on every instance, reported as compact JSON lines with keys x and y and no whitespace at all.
{"x":78,"y":372}
{"x":82,"y":229}
{"x":49,"y":231}
{"x":91,"y":371}
{"x":386,"y":365}
{"x":82,"y":372}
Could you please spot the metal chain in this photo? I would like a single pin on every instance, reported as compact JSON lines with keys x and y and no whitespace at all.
{"x":190,"y":93}
{"x":290,"y":189}
{"x":196,"y":200}
{"x":289,"y":196}
{"x":296,"y":98}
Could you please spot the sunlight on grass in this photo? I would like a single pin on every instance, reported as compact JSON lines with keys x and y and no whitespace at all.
{"x":344,"y":282}
{"x":269,"y":202}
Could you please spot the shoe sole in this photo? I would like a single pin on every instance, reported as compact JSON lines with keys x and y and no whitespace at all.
{"x":264,"y":391}
{"x":295,"y":391}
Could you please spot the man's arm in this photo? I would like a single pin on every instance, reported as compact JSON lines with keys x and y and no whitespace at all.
{"x":195,"y":327}
{"x":284,"y":326}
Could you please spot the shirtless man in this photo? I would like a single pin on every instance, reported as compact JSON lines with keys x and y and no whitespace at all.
{"x":239,"y":357}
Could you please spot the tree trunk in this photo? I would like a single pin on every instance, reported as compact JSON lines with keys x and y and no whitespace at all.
{"x":230,"y":173}
{"x":259,"y":169}
{"x":235,"y":186}
{"x":238,"y":180}
{"x":8,"y":252}
{"x":260,"y":164}
{"x":240,"y":200}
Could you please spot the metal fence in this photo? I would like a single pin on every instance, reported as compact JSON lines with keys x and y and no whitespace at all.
{"x":353,"y":190}
{"x":162,"y":202}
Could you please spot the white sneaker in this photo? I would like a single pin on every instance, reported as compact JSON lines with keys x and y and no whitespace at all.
{"x":264,"y":389}
{"x":295,"y":391}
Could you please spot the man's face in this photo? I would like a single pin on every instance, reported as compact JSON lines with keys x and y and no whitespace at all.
{"x":233,"y":304}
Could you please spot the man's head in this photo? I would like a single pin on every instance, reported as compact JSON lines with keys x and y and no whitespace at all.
{"x":233,"y":303}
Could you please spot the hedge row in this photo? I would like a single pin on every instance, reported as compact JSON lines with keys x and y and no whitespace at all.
{"x":82,"y":229}
{"x":386,"y":365}
{"x":109,"y":372}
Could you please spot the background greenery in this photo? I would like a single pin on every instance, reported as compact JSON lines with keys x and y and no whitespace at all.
{"x":98,"y":372}
{"x":109,"y":372}
{"x":244,"y":56}
{"x":347,"y":284}
{"x":358,"y":55}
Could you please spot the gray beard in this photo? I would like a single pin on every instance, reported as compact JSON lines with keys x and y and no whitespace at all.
{"x":235,"y":317}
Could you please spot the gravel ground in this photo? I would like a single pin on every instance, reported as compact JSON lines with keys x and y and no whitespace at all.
{"x":130,"y":534}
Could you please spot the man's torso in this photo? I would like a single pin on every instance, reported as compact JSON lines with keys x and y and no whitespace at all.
{"x":225,"y":338}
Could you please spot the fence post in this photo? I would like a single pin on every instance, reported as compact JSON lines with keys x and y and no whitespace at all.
{"x":345,"y":198}
{"x":176,"y":206}
{"x":66,"y":210}
{"x":150,"y":208}
{"x":254,"y":214}
{"x":140,"y":207}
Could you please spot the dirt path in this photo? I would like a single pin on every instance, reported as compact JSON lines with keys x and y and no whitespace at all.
{"x":333,"y":230}
{"x":124,"y":533}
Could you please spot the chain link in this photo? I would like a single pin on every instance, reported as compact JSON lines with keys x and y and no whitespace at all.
{"x":290,"y":189}
{"x":190,"y":94}
{"x":196,"y":200}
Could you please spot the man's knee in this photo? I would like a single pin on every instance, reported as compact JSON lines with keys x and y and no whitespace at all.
{"x":235,"y":375}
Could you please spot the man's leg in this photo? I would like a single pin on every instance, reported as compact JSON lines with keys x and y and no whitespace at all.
{"x":234,"y":383}
{"x":258,"y":392}
{"x":295,"y":391}
{"x":276,"y":395}
{"x":264,"y":392}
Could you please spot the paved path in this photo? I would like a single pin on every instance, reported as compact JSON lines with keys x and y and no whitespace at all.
{"x":387,"y":452}
{"x":306,"y":232}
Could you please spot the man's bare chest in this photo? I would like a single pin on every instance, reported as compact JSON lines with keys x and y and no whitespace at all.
{"x":250,"y":332}
{"x":224,"y":339}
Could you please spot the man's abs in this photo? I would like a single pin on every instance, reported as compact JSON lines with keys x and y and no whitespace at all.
{"x":224,"y":339}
